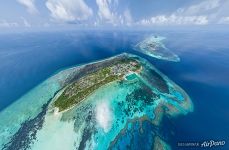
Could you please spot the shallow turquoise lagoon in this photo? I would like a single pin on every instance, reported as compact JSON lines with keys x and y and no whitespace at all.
{"x":119,"y":115}
{"x":131,"y":76}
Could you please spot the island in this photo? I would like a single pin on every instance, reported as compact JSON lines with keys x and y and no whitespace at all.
{"x":78,"y":90}
{"x":153,"y":46}
{"x":119,"y":102}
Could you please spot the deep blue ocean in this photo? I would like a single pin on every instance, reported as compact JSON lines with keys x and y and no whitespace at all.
{"x":27,"y":59}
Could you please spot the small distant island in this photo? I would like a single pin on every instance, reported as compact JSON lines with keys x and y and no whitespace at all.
{"x":78,"y":90}
{"x":154,"y":47}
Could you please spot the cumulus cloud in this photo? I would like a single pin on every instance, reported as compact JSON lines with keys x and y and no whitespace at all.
{"x":117,"y":13}
{"x":6,"y":24}
{"x":104,"y":10}
{"x":224,"y":20}
{"x":111,"y":12}
{"x":128,"y":17}
{"x":196,"y":14}
{"x":25,"y":22}
{"x":69,"y":10}
{"x":104,"y":116}
{"x":201,"y":13}
{"x":175,"y":20}
{"x":200,"y":8}
{"x":30,"y":5}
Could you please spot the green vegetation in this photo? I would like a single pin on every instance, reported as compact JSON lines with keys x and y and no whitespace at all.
{"x":82,"y":88}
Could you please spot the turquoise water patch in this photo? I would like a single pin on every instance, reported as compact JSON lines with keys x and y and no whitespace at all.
{"x":116,"y":115}
{"x":131,"y":76}
{"x":138,"y":135}
{"x":21,"y":116}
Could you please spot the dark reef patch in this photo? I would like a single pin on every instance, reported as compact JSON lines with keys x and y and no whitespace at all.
{"x":137,"y":100}
{"x":148,"y":97}
{"x":28,"y":130}
{"x":137,"y":135}
{"x":88,"y":131}
{"x":86,"y":136}
{"x":156,"y":80}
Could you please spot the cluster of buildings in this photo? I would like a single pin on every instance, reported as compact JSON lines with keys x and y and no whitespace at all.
{"x":123,"y":68}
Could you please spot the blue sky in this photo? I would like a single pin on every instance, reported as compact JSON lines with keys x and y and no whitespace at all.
{"x":112,"y":13}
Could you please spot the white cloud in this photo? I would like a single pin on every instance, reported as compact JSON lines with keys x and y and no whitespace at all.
{"x":200,"y":8}
{"x":175,"y":20}
{"x":104,"y":115}
{"x":25,"y":22}
{"x":69,"y":10}
{"x":30,"y":5}
{"x":6,"y":24}
{"x":109,"y":11}
{"x":128,"y":17}
{"x":224,"y":20}
{"x":104,"y":10}
{"x":197,"y":14}
{"x":223,"y":9}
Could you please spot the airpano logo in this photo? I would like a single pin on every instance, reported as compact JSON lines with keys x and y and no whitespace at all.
{"x":212,"y":143}
{"x":204,"y":144}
